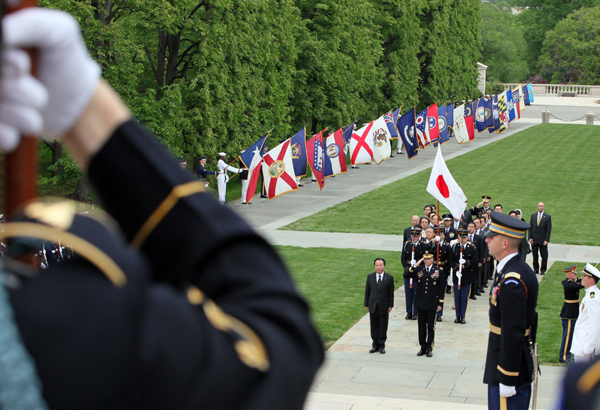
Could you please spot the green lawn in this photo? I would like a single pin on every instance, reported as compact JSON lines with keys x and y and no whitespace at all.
{"x":554,"y":163}
{"x":333,"y":281}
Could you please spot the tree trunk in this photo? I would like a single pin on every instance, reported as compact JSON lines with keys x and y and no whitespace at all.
{"x":57,"y":152}
{"x":81,"y":190}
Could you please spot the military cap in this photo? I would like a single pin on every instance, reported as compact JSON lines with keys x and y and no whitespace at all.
{"x":591,"y":271}
{"x":570,"y":269}
{"x":416,"y":229}
{"x":447,"y":217}
{"x":486,"y":197}
{"x":201,"y":157}
{"x":222,"y":154}
{"x":463,"y":231}
{"x":181,"y":161}
{"x":427,"y":255}
{"x":503,"y":224}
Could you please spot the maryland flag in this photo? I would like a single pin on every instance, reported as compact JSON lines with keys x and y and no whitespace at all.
{"x":503,"y":113}
{"x":278,"y":170}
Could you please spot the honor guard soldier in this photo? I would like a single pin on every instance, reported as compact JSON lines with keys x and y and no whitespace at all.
{"x":513,"y":299}
{"x":586,"y":336}
{"x":448,"y":231}
{"x":569,"y":311}
{"x":223,"y":177}
{"x":412,"y":251}
{"x":145,"y":316}
{"x":464,"y":260}
{"x":430,"y":290}
{"x":440,"y":251}
{"x":202,"y":173}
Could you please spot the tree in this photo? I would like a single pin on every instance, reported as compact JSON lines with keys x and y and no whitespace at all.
{"x":571,"y":52}
{"x":502,"y":43}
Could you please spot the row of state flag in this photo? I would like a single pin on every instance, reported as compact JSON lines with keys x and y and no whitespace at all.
{"x":326,"y":155}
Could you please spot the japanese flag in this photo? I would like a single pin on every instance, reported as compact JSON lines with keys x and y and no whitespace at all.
{"x":444,"y":188}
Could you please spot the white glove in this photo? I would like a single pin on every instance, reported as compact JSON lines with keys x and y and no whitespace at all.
{"x":461,"y":261}
{"x":65,"y":68}
{"x":507,"y":391}
{"x":437,"y":238}
{"x":226,"y":178}
{"x":413,"y":263}
{"x":458,"y":275}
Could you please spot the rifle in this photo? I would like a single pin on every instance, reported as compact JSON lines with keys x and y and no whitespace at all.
{"x":412,"y":258}
{"x":460,"y":268}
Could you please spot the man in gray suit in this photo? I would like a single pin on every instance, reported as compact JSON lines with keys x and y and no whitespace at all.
{"x":539,"y":236}
{"x":379,"y":301}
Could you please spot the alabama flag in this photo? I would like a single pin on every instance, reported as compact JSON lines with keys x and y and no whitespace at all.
{"x":444,"y":188}
{"x":278,"y":170}
{"x":460,"y":128}
{"x":335,"y":159}
{"x":361,"y":150}
{"x":380,"y":140}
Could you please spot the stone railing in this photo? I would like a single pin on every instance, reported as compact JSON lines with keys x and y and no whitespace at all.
{"x":561,"y":90}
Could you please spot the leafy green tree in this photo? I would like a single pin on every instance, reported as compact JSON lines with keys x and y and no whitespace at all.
{"x":502,"y":43}
{"x":541,"y":16}
{"x":571,"y":52}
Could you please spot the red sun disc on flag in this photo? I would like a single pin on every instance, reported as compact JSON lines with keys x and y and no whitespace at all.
{"x":442,"y":186}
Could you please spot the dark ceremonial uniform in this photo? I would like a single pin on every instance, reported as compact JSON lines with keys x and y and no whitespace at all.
{"x":513,"y":299}
{"x":449,"y":234}
{"x":478,"y":242}
{"x":469,"y":269}
{"x":183,"y":325}
{"x":580,"y":388}
{"x":379,"y":297}
{"x":444,"y":268}
{"x":407,"y":251}
{"x":430,"y":291}
{"x":202,"y":173}
{"x":568,"y":315}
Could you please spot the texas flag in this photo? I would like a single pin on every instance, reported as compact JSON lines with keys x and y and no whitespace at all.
{"x":361,"y":148}
{"x":314,"y":152}
{"x":278,"y":170}
{"x":252,"y":158}
{"x":335,"y":160}
{"x":444,"y":188}
{"x":432,"y":117}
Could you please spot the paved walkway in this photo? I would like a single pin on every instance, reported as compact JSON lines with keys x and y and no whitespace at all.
{"x":351,"y":378}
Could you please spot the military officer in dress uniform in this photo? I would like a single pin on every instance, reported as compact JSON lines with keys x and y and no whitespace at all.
{"x":412,"y":251}
{"x":481,"y":207}
{"x":586,"y":336}
{"x":569,"y":311}
{"x":202,"y":173}
{"x":223,"y":178}
{"x":464,"y":260}
{"x":430,"y":291}
{"x":513,"y":298}
{"x":449,"y":231}
{"x":147,"y":317}
{"x":440,"y":249}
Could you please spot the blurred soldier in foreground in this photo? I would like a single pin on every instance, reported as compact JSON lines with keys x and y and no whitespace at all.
{"x":160,"y":321}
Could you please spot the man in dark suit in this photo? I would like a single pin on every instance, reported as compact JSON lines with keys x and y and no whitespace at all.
{"x":513,"y":298}
{"x":539,"y":236}
{"x":379,"y":301}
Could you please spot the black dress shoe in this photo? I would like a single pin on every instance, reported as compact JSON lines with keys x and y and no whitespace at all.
{"x":373,"y":350}
{"x":382,"y":350}
{"x":457,"y":320}
{"x":391,"y":155}
{"x":408,"y":316}
{"x":439,"y":319}
{"x":414,"y":317}
{"x":543,"y":272}
{"x":536,"y":272}
{"x":463,"y":321}
{"x":448,"y":290}
{"x":472,"y":297}
{"x":355,"y":167}
{"x":478,"y":293}
{"x":264,"y":196}
{"x":421,"y":352}
{"x":300,"y":185}
{"x":429,"y":353}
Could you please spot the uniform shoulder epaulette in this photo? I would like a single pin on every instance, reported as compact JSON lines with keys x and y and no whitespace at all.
{"x":513,"y":275}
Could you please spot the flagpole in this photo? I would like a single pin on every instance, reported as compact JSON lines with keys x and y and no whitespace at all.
{"x":438,"y":234}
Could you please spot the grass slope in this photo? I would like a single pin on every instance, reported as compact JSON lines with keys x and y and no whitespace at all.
{"x":333,"y":282}
{"x":554,"y":163}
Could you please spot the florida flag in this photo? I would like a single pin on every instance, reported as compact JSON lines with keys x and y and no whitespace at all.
{"x":335,"y":160}
{"x":278,"y":170}
{"x":460,"y":128}
{"x":361,"y":150}
{"x":444,"y":188}
{"x":380,"y":140}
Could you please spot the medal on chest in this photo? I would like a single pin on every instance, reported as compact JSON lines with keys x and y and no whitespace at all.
{"x":494,"y":297}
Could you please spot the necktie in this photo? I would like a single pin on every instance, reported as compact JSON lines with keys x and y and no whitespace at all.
{"x":539,"y":218}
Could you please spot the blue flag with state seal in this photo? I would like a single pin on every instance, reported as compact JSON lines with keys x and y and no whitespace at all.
{"x":443,"y":124}
{"x":406,"y":128}
{"x":298,"y":148}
